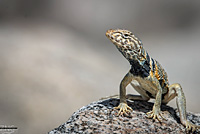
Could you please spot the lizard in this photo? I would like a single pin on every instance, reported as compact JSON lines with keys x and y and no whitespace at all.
{"x":148,"y":78}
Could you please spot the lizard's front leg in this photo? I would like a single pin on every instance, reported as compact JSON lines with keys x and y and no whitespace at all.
{"x":155,"y":113}
{"x":123,"y":107}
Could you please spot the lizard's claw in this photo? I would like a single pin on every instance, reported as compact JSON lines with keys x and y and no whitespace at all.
{"x":155,"y":114}
{"x":190,"y":127}
{"x":123,"y":109}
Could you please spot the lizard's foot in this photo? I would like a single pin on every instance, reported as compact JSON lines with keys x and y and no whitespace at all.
{"x":123,"y":109}
{"x":155,"y":114}
{"x":191,"y":127}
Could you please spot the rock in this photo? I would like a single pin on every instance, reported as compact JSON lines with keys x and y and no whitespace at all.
{"x":100,"y":117}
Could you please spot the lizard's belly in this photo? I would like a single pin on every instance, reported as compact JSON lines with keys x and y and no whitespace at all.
{"x":148,"y":87}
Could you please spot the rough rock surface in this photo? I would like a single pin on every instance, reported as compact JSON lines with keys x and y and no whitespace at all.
{"x":100,"y":117}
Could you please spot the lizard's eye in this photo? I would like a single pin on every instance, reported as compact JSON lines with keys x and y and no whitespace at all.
{"x":126,"y":35}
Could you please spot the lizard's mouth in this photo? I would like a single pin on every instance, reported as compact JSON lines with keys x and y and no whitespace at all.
{"x":108,"y":33}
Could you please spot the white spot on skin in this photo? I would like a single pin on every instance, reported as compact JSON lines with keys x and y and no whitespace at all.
{"x":135,"y":83}
{"x":123,"y":40}
{"x":118,"y":38}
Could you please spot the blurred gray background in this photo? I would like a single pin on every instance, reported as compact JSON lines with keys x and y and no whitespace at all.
{"x":55,"y":57}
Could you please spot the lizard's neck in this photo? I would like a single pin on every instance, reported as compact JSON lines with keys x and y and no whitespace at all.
{"x":140,"y":66}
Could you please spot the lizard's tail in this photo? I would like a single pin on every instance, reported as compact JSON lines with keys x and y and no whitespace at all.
{"x":109,"y":97}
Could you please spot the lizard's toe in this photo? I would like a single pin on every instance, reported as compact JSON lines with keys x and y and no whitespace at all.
{"x":150,"y":114}
{"x":191,"y":127}
{"x":155,"y":115}
{"x":123,"y":109}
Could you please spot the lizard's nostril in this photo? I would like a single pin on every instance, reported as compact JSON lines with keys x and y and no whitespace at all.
{"x":108,"y":33}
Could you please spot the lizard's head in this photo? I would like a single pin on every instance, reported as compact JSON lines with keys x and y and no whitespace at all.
{"x":126,"y":42}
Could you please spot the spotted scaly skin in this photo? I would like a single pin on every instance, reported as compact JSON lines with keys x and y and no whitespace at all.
{"x":147,"y":77}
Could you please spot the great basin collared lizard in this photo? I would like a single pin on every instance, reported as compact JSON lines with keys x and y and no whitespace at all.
{"x":147,"y":77}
